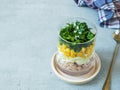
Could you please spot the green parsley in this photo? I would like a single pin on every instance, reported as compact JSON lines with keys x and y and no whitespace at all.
{"x":76,"y":32}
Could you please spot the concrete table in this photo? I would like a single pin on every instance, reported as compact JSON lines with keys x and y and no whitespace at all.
{"x":28,"y":39}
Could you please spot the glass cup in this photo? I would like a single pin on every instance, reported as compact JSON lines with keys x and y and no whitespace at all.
{"x":75,"y":58}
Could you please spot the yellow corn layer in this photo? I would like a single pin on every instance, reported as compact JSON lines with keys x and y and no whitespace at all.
{"x":83,"y":53}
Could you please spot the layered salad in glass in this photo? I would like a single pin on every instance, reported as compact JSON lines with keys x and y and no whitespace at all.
{"x":75,"y":47}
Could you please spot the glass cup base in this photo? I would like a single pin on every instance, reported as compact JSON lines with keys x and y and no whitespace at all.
{"x":74,"y":69}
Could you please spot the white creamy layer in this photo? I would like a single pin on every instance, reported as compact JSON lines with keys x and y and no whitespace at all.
{"x":61,"y":58}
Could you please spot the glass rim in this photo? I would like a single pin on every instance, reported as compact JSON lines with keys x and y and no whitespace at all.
{"x":94,"y":27}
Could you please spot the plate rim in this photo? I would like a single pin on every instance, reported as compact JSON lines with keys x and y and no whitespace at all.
{"x":73,"y":81}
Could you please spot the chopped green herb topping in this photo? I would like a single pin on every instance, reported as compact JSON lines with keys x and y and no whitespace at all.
{"x":77,"y":32}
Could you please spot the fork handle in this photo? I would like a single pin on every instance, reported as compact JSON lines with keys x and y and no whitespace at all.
{"x":107,"y":83}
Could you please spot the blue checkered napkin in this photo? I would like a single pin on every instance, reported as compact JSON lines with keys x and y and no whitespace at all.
{"x":108,"y":11}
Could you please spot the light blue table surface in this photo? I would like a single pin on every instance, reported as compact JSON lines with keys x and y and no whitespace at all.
{"x":28,"y":39}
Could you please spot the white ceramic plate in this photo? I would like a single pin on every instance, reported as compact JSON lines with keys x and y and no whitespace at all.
{"x":77,"y":79}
